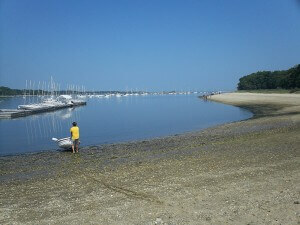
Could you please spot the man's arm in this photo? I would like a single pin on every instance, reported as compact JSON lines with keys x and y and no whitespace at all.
{"x":71,"y":135}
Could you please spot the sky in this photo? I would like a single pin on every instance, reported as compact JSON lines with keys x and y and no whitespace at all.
{"x":151,"y":45}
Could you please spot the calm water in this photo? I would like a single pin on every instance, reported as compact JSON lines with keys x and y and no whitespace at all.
{"x":111,"y":120}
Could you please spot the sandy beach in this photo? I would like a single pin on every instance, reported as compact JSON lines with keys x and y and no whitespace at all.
{"x":245,"y":172}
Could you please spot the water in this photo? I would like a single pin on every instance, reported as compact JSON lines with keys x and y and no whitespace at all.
{"x":112,"y":120}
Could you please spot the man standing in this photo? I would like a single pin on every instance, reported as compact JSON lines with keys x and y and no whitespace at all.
{"x":75,"y":136}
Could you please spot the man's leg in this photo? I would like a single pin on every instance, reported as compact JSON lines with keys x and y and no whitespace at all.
{"x":73,"y":147}
{"x":77,"y":143}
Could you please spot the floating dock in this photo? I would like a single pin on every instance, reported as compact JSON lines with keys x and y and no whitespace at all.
{"x":15,"y":113}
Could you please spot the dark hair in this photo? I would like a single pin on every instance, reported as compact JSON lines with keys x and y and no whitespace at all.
{"x":74,"y":123}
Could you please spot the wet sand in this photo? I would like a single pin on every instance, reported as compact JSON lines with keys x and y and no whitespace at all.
{"x":245,"y":172}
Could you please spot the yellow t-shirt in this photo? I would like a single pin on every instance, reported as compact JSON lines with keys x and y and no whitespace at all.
{"x":75,"y":132}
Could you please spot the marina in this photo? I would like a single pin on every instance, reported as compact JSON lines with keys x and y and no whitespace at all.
{"x":45,"y":99}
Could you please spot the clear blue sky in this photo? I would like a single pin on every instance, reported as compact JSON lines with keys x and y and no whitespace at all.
{"x":153,"y":45}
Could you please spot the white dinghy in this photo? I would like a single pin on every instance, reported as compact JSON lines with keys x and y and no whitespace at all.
{"x":65,"y":143}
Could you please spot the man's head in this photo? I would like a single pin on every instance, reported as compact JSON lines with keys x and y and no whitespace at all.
{"x":74,"y":124}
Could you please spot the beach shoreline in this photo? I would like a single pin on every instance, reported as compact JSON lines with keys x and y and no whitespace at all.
{"x":244,"y":172}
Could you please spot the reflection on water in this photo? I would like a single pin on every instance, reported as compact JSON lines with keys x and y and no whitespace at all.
{"x":67,"y":114}
{"x":113,"y":120}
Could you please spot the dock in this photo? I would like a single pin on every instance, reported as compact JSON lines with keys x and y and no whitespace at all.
{"x":15,"y":113}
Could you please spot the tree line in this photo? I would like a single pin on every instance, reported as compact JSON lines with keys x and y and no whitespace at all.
{"x":8,"y":91}
{"x":283,"y":79}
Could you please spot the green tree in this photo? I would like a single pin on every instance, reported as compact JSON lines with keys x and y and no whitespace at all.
{"x":287,"y":79}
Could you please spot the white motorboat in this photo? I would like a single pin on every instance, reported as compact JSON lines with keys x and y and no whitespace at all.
{"x":46,"y":104}
{"x":65,"y":143}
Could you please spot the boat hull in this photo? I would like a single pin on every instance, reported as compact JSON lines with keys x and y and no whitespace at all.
{"x":65,"y":143}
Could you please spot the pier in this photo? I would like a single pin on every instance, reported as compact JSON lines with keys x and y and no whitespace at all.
{"x":15,"y":113}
